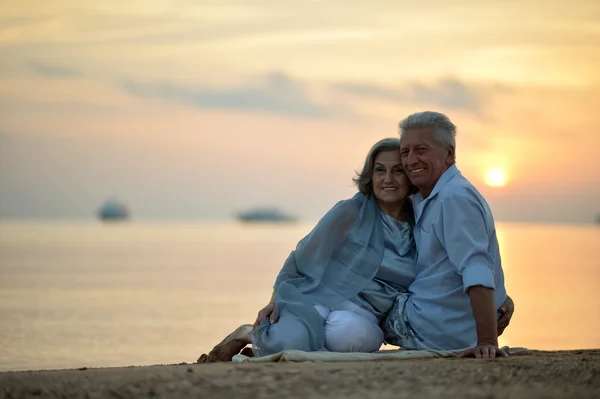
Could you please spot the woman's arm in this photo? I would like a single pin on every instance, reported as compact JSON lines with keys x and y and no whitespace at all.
{"x":329,"y":233}
{"x":315,"y":250}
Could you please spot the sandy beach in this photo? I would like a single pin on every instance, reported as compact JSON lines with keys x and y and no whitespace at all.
{"x":541,"y":374}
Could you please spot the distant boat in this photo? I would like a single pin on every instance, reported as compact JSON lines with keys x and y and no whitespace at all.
{"x":267,"y":215}
{"x":113,"y":211}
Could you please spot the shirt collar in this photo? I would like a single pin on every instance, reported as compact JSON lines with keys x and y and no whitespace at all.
{"x":444,"y":178}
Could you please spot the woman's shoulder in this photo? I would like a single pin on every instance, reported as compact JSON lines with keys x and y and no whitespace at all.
{"x":352,"y":204}
{"x":347,"y":208}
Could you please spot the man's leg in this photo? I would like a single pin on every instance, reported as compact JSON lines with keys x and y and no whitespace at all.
{"x":396,"y":328}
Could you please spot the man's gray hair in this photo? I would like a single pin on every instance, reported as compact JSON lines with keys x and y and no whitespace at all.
{"x":364,"y":179}
{"x":444,"y":130}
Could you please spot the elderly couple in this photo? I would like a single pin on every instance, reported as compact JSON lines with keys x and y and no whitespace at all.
{"x":382,"y":268}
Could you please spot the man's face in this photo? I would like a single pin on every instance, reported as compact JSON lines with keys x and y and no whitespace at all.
{"x":424,"y":159}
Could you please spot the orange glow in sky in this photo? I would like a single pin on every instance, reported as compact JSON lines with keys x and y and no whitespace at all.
{"x":197,"y":109}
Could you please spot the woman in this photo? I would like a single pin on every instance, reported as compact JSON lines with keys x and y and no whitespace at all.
{"x":345,"y":274}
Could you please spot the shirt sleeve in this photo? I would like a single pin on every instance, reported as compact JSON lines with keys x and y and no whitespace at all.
{"x":466,"y":239}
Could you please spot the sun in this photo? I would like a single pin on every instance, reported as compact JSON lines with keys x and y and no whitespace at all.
{"x":495,"y":178}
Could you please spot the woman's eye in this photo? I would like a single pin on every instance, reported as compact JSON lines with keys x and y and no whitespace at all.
{"x":400,"y":171}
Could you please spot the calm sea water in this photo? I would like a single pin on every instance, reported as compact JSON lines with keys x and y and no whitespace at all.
{"x":76,"y":294}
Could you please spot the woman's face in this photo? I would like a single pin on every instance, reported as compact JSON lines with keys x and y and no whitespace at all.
{"x":390,"y":183}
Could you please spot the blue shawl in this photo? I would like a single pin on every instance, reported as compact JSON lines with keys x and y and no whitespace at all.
{"x":333,"y":263}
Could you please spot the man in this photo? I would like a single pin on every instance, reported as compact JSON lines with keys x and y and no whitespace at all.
{"x":454,"y":301}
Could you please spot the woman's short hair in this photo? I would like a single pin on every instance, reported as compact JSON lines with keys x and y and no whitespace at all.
{"x":364,"y":179}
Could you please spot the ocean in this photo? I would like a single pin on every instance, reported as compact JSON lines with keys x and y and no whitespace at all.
{"x":91,"y":294}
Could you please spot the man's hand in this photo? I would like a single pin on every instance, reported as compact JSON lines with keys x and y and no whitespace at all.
{"x":484,"y":351}
{"x":507,"y":309}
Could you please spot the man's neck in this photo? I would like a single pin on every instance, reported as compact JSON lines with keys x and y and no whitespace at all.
{"x":426,"y":191}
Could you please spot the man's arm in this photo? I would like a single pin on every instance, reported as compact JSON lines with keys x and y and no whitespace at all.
{"x":466,"y":240}
{"x":484,"y":310}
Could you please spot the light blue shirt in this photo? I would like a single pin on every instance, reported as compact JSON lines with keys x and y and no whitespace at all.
{"x":457,"y":248}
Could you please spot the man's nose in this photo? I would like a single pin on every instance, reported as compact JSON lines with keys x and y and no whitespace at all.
{"x":411,"y":158}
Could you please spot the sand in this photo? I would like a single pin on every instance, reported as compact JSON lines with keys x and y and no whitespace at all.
{"x":542,"y":374}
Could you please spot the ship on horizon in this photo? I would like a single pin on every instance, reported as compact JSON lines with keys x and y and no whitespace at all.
{"x":265,"y":215}
{"x":113,"y":210}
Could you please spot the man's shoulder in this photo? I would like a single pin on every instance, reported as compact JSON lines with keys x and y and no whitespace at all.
{"x":459,"y":187}
{"x":461,"y":193}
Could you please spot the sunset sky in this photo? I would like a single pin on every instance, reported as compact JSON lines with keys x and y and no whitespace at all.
{"x":197,"y":109}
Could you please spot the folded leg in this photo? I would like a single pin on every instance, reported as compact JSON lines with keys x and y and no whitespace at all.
{"x":287,"y":333}
{"x":349,"y":331}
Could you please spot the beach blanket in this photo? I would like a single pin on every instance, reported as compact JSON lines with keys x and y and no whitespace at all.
{"x":323,"y":356}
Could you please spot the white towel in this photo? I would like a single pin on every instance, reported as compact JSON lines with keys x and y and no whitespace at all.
{"x":323,"y":356}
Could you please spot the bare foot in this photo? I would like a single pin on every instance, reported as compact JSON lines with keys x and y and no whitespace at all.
{"x":203,"y":358}
{"x":231,"y":345}
{"x":247,"y":351}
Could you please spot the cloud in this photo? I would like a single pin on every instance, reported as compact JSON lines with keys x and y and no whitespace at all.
{"x":53,"y":71}
{"x":448,"y":93}
{"x":275,"y":94}
{"x":87,"y":107}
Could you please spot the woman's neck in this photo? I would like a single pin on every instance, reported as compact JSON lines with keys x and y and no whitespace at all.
{"x":395,"y":210}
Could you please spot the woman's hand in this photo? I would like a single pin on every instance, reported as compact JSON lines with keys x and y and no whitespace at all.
{"x":507,"y":309}
{"x":267,"y":311}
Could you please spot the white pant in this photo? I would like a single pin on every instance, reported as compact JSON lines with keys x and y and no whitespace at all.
{"x":350,"y":328}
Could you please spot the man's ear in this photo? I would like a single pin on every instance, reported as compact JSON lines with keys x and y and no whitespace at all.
{"x":450,"y":156}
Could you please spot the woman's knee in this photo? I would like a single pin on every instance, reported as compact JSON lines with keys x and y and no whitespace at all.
{"x":347,"y":331}
{"x":286,"y":334}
